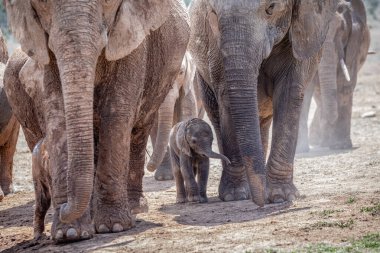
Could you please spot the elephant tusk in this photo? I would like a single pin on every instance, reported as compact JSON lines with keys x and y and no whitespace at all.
{"x":345,"y":70}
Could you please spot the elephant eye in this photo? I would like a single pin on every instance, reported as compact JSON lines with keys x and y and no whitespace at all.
{"x":269,"y":9}
{"x":274,"y":7}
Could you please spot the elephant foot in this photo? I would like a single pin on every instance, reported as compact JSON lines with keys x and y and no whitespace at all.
{"x":233,"y":189}
{"x":81,"y":229}
{"x":193,"y":198}
{"x":113,"y":219}
{"x":203,"y":199}
{"x":164,"y":171}
{"x":180,"y":199}
{"x":138,"y":205}
{"x":281,"y":192}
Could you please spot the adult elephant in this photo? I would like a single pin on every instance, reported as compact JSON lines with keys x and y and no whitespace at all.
{"x":9,"y":129}
{"x":344,"y":53}
{"x":253,"y":59}
{"x":182,"y":103}
{"x":107,"y":66}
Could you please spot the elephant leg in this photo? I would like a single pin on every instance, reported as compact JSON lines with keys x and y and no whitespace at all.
{"x":303,"y":133}
{"x":341,"y":132}
{"x":264,"y":130}
{"x":42,"y":186}
{"x":233,"y":184}
{"x":7,"y":151}
{"x":110,"y":203}
{"x":139,"y":140}
{"x":187,"y":171}
{"x":202,"y":178}
{"x":179,"y":182}
{"x":164,"y":170}
{"x":315,"y":131}
{"x":56,"y":144}
{"x":287,"y":105}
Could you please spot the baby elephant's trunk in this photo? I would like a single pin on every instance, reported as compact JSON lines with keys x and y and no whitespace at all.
{"x":212,"y":154}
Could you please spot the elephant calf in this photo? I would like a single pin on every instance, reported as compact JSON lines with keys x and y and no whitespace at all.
{"x":190,"y":151}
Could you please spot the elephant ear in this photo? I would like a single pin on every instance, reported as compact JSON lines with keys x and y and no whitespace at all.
{"x":26,"y":27}
{"x":134,"y":21}
{"x":181,"y":141}
{"x":310,"y":23}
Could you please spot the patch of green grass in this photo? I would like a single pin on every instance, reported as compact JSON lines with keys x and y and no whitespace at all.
{"x":328,"y":212}
{"x":324,"y":224}
{"x":368,"y":243}
{"x":351,"y":200}
{"x":373,"y":210}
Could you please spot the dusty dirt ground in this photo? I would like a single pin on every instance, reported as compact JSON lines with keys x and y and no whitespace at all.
{"x":338,"y":188}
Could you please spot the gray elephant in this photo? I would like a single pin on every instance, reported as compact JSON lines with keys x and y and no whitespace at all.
{"x":106,"y":68}
{"x":182,"y":103}
{"x":190,"y":153}
{"x":344,"y":53}
{"x":9,"y":130}
{"x":253,"y":60}
{"x":42,"y":186}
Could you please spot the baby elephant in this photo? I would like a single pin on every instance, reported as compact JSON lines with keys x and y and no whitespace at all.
{"x":190,"y":151}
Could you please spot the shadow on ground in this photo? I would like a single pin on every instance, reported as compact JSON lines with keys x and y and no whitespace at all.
{"x":217,"y":212}
{"x":99,"y":242}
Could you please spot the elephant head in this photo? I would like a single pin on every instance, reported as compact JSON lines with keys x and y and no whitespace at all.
{"x":246,"y":32}
{"x":72,"y":34}
{"x":196,"y":137}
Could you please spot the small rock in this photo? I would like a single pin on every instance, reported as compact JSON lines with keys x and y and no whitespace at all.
{"x":369,"y":114}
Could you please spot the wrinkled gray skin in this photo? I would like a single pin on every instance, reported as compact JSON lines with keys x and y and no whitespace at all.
{"x":9,"y":129}
{"x":190,"y":153}
{"x":182,"y":103}
{"x":98,"y":72}
{"x":344,"y":53}
{"x":42,"y":187}
{"x":253,"y":60}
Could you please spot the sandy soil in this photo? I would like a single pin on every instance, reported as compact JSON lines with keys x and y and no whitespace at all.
{"x":335,"y":187}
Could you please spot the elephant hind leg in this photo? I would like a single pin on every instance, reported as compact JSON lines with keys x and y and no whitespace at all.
{"x":6,"y":157}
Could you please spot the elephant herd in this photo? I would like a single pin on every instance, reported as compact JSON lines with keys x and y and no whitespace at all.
{"x":96,"y":78}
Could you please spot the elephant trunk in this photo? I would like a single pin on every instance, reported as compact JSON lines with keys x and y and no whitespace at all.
{"x":241,"y":57}
{"x":165,"y":123}
{"x":328,"y":83}
{"x":77,"y":50}
{"x":212,"y":154}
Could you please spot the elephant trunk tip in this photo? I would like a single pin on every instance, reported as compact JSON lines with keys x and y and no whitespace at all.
{"x":67,"y":213}
{"x":151,"y":167}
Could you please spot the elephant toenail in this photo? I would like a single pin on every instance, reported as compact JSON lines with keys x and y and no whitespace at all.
{"x":117,"y":228}
{"x":103,"y":229}
{"x":291,"y":198}
{"x":85,"y":235}
{"x":229,"y":197}
{"x":72,"y":233}
{"x":278,"y":199}
{"x":59,"y":235}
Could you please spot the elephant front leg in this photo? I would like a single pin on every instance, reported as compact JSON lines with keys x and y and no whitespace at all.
{"x":233,"y":184}
{"x":202,"y":178}
{"x":287,"y":109}
{"x":187,"y":171}
{"x":136,"y":199}
{"x":110,"y":204}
